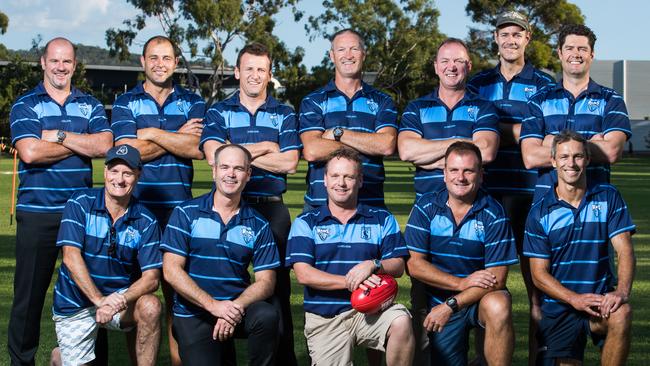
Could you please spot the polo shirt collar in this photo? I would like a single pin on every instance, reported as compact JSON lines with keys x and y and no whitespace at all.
{"x":234,"y":102}
{"x":433,"y":96}
{"x":207,"y":201}
{"x":331,"y":87}
{"x":132,"y":211}
{"x":74,"y":92}
{"x":178,"y":90}
{"x":551,"y":198}
{"x":325,"y":213}
{"x":480,"y":202}
{"x":592,"y":87}
{"x":526,"y":73}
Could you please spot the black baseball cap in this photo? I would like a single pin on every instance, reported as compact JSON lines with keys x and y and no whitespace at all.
{"x":127,"y":154}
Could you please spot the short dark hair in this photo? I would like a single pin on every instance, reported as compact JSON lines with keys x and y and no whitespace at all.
{"x":463,"y":148}
{"x":566,"y":136}
{"x":160,"y":39}
{"x":348,"y":154}
{"x":576,"y":30}
{"x":249,"y":157}
{"x":257,"y":49}
{"x":451,"y":40}
{"x":362,"y":43}
{"x":47,"y":46}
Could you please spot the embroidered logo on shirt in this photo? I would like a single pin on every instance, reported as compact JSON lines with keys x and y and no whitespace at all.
{"x":595,"y":208}
{"x":478,"y":227}
{"x":593,"y":104}
{"x":130,"y":234}
{"x":365,"y":233}
{"x":471,"y":112}
{"x":274,"y":119}
{"x":372,"y":105}
{"x":85,"y":109}
{"x":529,"y":91}
{"x":247,"y":234}
{"x":323,"y":232}
{"x":180,"y":105}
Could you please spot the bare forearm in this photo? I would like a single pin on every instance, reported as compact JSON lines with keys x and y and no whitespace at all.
{"x":35,"y":151}
{"x":488,"y":143}
{"x":318,"y":148}
{"x":80,"y":275}
{"x":209,"y":147}
{"x":393,"y":267}
{"x":509,"y":133}
{"x":535,"y":154}
{"x":317,"y":279}
{"x":280,"y":163}
{"x":259,"y":290}
{"x":180,"y":144}
{"x":92,"y":145}
{"x":146,"y":284}
{"x":148,"y":150}
{"x":422,"y":152}
{"x":551,"y":286}
{"x":376,"y":143}
{"x":185,"y":286}
{"x":427,"y":273}
{"x":626,"y":262}
{"x":473,"y":294}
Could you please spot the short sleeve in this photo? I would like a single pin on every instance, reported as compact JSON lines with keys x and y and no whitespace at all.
{"x":197,"y":109}
{"x":536,"y":243}
{"x":265,"y":251}
{"x":213,"y":126}
{"x":392,"y":243}
{"x":616,"y":117}
{"x":533,"y":125}
{"x":289,"y":139}
{"x":98,"y":122}
{"x":500,"y":249}
{"x":177,"y":235}
{"x":417,"y":233}
{"x":149,"y":255}
{"x":487,"y":119}
{"x":387,"y":115}
{"x":618,"y":218}
{"x":122,"y":120}
{"x":24,"y":122}
{"x":311,"y":115}
{"x":72,"y":231}
{"x":300,"y":245}
{"x":411,"y":119}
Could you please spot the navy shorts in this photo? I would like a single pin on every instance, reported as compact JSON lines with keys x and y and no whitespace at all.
{"x":564,"y":335}
{"x":450,"y":347}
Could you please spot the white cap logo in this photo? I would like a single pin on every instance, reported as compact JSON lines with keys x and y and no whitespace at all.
{"x":123,"y":150}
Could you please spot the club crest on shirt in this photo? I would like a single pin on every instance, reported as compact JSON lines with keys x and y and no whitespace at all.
{"x":247,"y":234}
{"x":529,"y":91}
{"x":372,"y":105}
{"x":85,"y":109}
{"x":323,"y":232}
{"x":472,"y":111}
{"x":180,"y":105}
{"x":478,"y":227}
{"x":365,"y":233}
{"x":130,"y":234}
{"x":595,"y":208}
{"x":593,"y":104}
{"x":274,"y":119}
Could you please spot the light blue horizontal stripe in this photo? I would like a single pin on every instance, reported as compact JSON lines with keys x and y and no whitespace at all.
{"x":109,"y":277}
{"x":501,"y":263}
{"x":214,"y":258}
{"x":536,"y":255}
{"x":337,"y":262}
{"x":40,"y":207}
{"x":54,"y":170}
{"x":51,"y":189}
{"x":266,"y":266}
{"x":164,"y":184}
{"x":56,"y":290}
{"x":151,"y":266}
{"x":628,"y":228}
{"x":173,"y":250}
{"x":236,"y":279}
{"x":456,"y":256}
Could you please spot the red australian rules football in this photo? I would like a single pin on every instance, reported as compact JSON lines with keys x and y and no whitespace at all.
{"x":374,"y":300}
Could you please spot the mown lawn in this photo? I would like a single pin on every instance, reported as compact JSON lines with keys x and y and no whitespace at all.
{"x":631,"y":176}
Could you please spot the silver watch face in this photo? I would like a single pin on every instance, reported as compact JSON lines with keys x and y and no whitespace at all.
{"x":338,"y":131}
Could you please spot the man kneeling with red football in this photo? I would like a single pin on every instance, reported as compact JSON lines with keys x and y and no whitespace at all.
{"x":338,"y":248}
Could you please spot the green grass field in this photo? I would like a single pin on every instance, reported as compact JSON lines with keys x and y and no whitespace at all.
{"x":631,"y":176}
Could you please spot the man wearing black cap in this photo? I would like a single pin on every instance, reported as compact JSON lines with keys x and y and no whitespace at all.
{"x":509,"y":85}
{"x":108,"y":239}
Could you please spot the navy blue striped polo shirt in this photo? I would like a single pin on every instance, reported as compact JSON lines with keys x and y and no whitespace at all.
{"x":575,"y":240}
{"x":217,"y":255}
{"x":597,"y":110}
{"x":369,"y":110}
{"x":47,"y":187}
{"x":320,"y":240}
{"x":483,"y":239}
{"x":430,"y":118}
{"x":507,"y":173}
{"x":86,"y":225}
{"x":230,"y":120}
{"x":167,"y":180}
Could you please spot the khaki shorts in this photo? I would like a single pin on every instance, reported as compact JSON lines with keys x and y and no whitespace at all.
{"x":76,"y":335}
{"x":331,"y":340}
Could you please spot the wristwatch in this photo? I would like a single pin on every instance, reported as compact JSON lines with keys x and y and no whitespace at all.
{"x":377,"y":264}
{"x":338,"y":132}
{"x":452,"y":303}
{"x":60,"y":136}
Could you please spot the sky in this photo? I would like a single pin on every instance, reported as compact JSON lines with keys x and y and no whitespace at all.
{"x":29,"y":18}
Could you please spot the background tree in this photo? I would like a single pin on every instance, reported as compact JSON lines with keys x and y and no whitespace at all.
{"x":401,"y":40}
{"x":207,"y":28}
{"x":545,"y":17}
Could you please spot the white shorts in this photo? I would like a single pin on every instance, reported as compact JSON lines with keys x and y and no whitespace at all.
{"x":76,"y":335}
